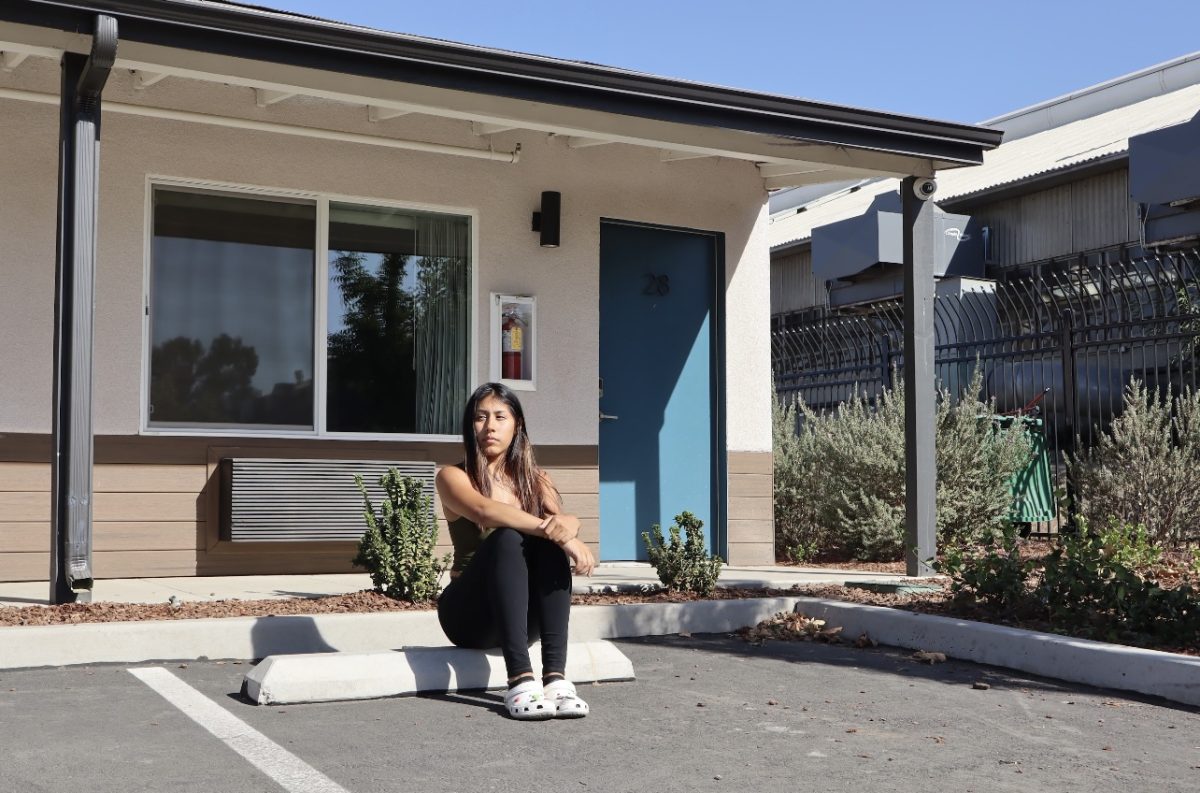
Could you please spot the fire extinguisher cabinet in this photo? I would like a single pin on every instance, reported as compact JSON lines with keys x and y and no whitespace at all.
{"x":514,"y":341}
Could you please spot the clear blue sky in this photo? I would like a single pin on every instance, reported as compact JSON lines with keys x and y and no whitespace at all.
{"x":967,"y":60}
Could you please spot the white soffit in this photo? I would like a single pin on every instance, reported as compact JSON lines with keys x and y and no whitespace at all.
{"x":580,"y":126}
{"x":1072,"y":144}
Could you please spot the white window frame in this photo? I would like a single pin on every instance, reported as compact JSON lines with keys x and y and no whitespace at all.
{"x":320,"y":307}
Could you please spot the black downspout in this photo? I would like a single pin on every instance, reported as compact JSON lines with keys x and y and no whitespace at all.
{"x":83,"y":79}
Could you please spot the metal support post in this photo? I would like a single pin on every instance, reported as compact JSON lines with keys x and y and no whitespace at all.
{"x":83,"y":79}
{"x":920,"y":460}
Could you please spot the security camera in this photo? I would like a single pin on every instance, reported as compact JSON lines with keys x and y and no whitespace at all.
{"x":925,"y":188}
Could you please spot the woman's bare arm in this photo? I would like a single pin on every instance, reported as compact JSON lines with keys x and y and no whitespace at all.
{"x":460,"y":497}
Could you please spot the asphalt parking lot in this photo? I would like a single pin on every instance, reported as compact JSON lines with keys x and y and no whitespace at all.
{"x":707,"y":712}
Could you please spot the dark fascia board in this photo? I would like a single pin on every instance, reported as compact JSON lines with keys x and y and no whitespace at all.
{"x":279,"y":37}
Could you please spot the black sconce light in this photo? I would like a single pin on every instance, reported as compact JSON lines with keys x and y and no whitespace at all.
{"x":546,"y":222}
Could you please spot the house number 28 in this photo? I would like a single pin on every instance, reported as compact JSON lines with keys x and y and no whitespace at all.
{"x":656,"y":285}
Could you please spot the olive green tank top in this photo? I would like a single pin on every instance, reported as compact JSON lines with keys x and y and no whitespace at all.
{"x":466,"y":538}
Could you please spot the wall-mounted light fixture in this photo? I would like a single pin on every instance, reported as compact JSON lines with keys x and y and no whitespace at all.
{"x":546,"y":222}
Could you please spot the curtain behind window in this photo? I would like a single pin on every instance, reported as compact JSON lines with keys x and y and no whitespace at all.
{"x":398,"y":316}
{"x":442,"y":309}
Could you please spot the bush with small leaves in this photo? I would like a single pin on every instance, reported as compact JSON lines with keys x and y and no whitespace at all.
{"x":397,"y":547}
{"x":686,"y":565}
{"x":1085,"y":587}
{"x":994,"y":573}
{"x":1145,"y":469}
{"x":839,"y":477}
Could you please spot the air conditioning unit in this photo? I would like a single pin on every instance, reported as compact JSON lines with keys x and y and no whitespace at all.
{"x":862,"y":257}
{"x":1164,"y":181}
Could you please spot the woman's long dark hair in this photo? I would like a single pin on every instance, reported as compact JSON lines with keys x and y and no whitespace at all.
{"x":520,"y":466}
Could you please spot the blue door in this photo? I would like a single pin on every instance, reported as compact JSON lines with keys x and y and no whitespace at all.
{"x":657,"y":388}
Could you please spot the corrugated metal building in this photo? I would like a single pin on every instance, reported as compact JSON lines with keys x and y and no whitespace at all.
{"x":1057,"y":188}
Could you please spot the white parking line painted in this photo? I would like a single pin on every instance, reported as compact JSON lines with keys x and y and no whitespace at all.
{"x":289,"y":771}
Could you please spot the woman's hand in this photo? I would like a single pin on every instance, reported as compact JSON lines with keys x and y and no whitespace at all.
{"x":561,"y":528}
{"x":578,"y":552}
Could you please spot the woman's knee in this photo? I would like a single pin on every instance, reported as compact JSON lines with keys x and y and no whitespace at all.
{"x":506,"y":540}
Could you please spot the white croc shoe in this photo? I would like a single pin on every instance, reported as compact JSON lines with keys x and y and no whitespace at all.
{"x":528,"y":702}
{"x":567,"y":704}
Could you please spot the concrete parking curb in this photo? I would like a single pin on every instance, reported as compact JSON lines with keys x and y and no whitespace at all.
{"x":1167,"y":675}
{"x":329,"y":677}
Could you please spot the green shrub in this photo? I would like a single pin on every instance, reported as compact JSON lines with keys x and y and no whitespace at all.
{"x":800,"y":553}
{"x":1083,"y":586}
{"x":994,"y":574}
{"x":839,"y":478}
{"x":683,"y":566}
{"x":1145,"y":469}
{"x":1131,"y":546}
{"x":797,"y":477}
{"x":397,"y":547}
{"x":1100,"y":586}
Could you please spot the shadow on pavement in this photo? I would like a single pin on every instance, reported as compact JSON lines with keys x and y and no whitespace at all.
{"x":890,"y":660}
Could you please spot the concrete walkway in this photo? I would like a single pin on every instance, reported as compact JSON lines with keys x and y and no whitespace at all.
{"x":609,"y":577}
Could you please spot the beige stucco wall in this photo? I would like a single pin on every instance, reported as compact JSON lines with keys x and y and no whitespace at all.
{"x":612,"y":181}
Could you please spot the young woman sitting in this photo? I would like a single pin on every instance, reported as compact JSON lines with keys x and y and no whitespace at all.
{"x":513,"y":550}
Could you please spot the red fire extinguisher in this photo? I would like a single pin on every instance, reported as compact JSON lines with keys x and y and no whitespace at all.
{"x":513,"y":345}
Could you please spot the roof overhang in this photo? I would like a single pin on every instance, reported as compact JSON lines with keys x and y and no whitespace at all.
{"x":793,"y":141}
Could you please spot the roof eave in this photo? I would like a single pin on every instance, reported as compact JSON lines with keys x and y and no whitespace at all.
{"x":311,"y":43}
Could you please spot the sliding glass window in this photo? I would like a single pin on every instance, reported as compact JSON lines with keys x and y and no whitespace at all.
{"x":231,"y":312}
{"x":397,"y":320}
{"x":233,"y":309}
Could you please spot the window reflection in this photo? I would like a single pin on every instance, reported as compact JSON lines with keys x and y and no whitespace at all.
{"x":397,"y":320}
{"x":231,"y":311}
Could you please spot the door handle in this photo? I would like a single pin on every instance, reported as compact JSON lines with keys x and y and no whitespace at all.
{"x":604,"y":416}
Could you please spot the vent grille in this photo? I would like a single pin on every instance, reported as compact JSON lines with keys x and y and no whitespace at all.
{"x":269,"y":500}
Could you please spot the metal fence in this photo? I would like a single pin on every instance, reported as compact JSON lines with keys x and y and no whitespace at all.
{"x":1076,"y":336}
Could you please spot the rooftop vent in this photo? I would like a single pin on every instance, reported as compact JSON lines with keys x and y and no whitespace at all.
{"x":1164,"y":181}
{"x":863,"y":256}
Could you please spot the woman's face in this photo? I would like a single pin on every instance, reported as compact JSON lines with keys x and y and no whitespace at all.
{"x":495,"y":427}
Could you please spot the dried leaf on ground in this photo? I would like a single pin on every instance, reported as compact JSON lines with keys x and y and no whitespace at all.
{"x":929,"y":657}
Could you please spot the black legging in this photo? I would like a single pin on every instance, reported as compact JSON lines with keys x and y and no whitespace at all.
{"x":516,"y":588}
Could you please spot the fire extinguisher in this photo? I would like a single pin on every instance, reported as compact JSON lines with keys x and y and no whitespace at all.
{"x":513,"y":346}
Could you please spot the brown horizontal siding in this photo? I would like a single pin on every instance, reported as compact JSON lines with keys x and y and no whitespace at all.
{"x":24,"y":477}
{"x":751,"y":553}
{"x":109,"y":478}
{"x":741,"y":530}
{"x":148,"y":536}
{"x":109,"y":536}
{"x":754,"y":508}
{"x":25,"y":507}
{"x":148,"y":506}
{"x":35,"y":566}
{"x":153,"y":497}
{"x":750,"y":463}
{"x":24,"y":537}
{"x":751,"y":513}
{"x":750,"y":485}
{"x":135,"y":564}
{"x":32,"y":566}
